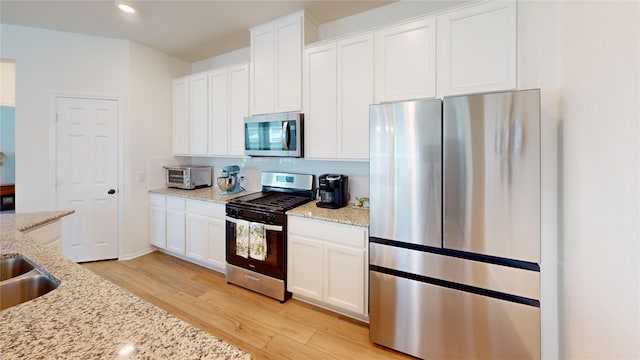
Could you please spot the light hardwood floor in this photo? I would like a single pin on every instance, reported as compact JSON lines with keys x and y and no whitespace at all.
{"x":259,"y":325}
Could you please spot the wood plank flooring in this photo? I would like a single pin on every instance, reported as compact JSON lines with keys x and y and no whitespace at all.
{"x":259,"y":325}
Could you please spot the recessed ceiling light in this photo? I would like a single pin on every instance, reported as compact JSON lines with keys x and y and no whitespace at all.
{"x":126,"y":8}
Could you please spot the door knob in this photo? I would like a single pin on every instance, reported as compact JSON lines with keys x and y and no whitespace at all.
{"x":111,"y":192}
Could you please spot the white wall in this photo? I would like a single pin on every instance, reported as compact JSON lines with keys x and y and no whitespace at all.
{"x":383,"y":15}
{"x":538,"y":63}
{"x":52,"y":62}
{"x":231,"y":58}
{"x":47,"y":63}
{"x":599,"y":180}
{"x":147,"y":133}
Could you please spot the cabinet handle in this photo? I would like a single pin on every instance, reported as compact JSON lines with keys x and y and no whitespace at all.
{"x":111,"y":191}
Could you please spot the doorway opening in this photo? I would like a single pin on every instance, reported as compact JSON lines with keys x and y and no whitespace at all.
{"x":7,"y":136}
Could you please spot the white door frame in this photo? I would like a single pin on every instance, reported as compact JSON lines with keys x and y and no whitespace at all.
{"x":53,"y":148}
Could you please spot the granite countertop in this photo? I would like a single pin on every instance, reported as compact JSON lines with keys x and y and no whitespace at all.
{"x":87,"y":316}
{"x":205,"y":194}
{"x":346,"y":215}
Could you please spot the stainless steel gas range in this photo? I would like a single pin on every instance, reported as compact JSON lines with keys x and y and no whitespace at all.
{"x":257,"y":233}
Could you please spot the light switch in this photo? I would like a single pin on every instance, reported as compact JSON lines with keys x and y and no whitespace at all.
{"x":141,"y":176}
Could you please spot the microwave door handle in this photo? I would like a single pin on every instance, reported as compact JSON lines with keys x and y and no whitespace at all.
{"x":285,"y":135}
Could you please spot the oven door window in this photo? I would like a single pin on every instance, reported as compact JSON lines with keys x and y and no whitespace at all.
{"x":273,"y":264}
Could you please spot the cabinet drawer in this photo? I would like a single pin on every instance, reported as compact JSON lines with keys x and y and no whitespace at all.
{"x":204,"y":208}
{"x":157,"y":200}
{"x":348,"y":235}
{"x":174,"y":203}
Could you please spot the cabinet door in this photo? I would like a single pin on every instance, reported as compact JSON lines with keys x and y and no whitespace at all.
{"x":216,"y":254}
{"x":344,"y":277}
{"x":238,"y":107}
{"x":320,"y":101}
{"x":355,"y":94}
{"x":304,"y":269}
{"x":218,"y":112}
{"x":262,"y":69}
{"x":477,"y":49}
{"x":157,"y":229}
{"x":197,"y":236}
{"x":406,"y":61}
{"x":288,"y":48}
{"x":198,"y":105}
{"x":176,"y":225}
{"x":181,"y":116}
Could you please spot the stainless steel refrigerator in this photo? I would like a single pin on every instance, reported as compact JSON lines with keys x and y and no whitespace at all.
{"x":455,"y":226}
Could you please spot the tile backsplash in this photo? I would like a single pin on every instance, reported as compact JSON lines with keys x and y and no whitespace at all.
{"x":251,"y":167}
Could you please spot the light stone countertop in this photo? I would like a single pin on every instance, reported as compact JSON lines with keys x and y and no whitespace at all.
{"x":205,"y":194}
{"x":88,"y":317}
{"x":346,"y":215}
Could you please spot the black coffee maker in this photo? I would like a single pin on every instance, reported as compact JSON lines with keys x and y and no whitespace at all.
{"x":333,"y":191}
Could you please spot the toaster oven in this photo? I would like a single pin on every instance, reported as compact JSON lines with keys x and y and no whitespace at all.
{"x":188,"y":177}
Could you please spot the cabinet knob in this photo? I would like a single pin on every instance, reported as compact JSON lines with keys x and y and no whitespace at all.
{"x":111,"y":191}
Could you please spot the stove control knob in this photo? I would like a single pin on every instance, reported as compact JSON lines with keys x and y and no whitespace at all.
{"x":240,"y":212}
{"x":233,"y":211}
{"x":272,"y":217}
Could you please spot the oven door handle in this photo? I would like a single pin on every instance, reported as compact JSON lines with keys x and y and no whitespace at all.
{"x":266,"y":226}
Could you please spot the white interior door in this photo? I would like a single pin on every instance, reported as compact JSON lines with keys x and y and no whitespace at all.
{"x":87,"y":176}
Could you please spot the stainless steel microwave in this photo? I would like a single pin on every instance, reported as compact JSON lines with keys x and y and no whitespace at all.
{"x":274,"y":135}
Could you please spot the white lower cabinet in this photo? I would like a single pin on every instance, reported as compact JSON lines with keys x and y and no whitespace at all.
{"x":206,"y":233}
{"x":327,"y":265}
{"x":175,"y":225}
{"x":158,"y":220}
{"x":49,"y":235}
{"x":194,"y":230}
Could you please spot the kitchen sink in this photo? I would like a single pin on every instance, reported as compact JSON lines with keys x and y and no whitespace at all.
{"x":22,"y":281}
{"x":13,"y":266}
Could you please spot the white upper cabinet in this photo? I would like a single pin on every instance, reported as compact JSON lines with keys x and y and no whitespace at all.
{"x":229,"y":104}
{"x":320,"y":101}
{"x":198,"y":115}
{"x":406,"y":61}
{"x":208,"y":112}
{"x":190,"y":115}
{"x":218,"y":110}
{"x":338,"y":89}
{"x":276,"y":63}
{"x":181,"y":124}
{"x":238,"y":92}
{"x":263,"y":69}
{"x":355,"y":94}
{"x":477,"y":48}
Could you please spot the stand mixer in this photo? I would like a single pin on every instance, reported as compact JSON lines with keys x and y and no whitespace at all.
{"x":228,"y":180}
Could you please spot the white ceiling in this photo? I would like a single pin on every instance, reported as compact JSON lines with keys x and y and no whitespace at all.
{"x":189,"y":30}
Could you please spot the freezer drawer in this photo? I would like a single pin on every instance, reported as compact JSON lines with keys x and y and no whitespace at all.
{"x":436,"y":322}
